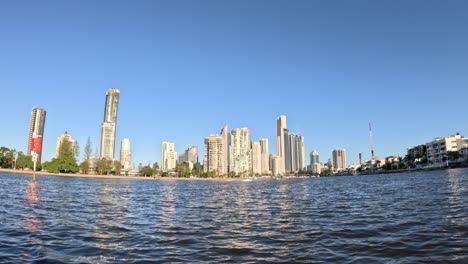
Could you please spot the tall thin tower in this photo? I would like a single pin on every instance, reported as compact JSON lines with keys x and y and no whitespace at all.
{"x":36,"y":131}
{"x":226,"y":148}
{"x":371,"y":142}
{"x":280,"y":142}
{"x":109,"y":125}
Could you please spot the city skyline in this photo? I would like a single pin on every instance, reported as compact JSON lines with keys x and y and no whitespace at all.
{"x":243,"y":70}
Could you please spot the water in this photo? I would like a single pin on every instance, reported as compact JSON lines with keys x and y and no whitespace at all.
{"x":400,"y":218}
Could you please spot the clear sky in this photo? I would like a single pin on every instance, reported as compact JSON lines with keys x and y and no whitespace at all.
{"x":185,"y":68}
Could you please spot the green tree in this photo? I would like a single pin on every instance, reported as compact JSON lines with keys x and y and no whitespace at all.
{"x":155,"y":168}
{"x":24,"y":162}
{"x":453,"y":155}
{"x":104,"y":166}
{"x":61,"y":165}
{"x":197,"y":169}
{"x":117,"y":167}
{"x":85,"y":166}
{"x":88,"y":150}
{"x":6,"y":160}
{"x":77,"y":151}
{"x":66,"y":150}
{"x":146,"y":171}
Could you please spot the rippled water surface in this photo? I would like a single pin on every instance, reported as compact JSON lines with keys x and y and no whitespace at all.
{"x":400,"y":218}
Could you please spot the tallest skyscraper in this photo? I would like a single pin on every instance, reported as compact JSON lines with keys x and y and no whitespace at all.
{"x":280,"y":142}
{"x":109,"y":125}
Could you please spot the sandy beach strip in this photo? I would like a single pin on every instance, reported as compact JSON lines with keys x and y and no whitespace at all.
{"x":120,"y":177}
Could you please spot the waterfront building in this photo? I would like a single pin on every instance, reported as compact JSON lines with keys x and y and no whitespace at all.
{"x":437,"y":149}
{"x":287,"y":159}
{"x":417,"y":153}
{"x":264,"y":155}
{"x":256,"y":158}
{"x":64,"y":137}
{"x":125,"y":155}
{"x":214,"y":154}
{"x":280,"y":143}
{"x":240,"y":152}
{"x":300,"y":153}
{"x":294,"y":152}
{"x":276,"y":165}
{"x":314,"y":157}
{"x":36,"y":130}
{"x":189,"y":155}
{"x":316,"y":168}
{"x":270,"y":161}
{"x":226,"y":144}
{"x":339,"y":159}
{"x":109,"y":125}
{"x":168,"y":157}
{"x":463,"y":152}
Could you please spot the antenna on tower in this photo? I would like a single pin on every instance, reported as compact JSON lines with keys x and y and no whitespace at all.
{"x":371,"y":142}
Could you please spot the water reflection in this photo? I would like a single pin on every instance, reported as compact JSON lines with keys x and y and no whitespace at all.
{"x":111,"y":211}
{"x":33,"y":198}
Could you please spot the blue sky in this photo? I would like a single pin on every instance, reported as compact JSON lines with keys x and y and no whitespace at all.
{"x":185,"y":68}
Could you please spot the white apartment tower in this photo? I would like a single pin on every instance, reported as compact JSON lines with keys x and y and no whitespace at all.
{"x":168,"y":156}
{"x":64,"y":137}
{"x":280,"y":144}
{"x":225,"y":134}
{"x":240,"y":154}
{"x":264,"y":156}
{"x":301,"y":154}
{"x":214,"y":154}
{"x":294,"y":152}
{"x":339,"y":159}
{"x":275,"y":164}
{"x":125,"y":154}
{"x":256,"y":158}
{"x":109,"y":125}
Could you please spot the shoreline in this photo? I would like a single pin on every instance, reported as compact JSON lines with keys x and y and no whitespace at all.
{"x":96,"y":176}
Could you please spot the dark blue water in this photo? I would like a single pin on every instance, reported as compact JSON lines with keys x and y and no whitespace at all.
{"x":400,"y":218}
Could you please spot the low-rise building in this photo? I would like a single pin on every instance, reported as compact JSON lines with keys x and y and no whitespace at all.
{"x":316,"y":168}
{"x":437,"y":149}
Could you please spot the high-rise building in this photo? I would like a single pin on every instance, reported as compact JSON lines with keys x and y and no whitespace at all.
{"x":256,"y":158}
{"x":168,"y":156}
{"x":64,"y":137}
{"x":314,"y":157}
{"x":241,"y":161}
{"x":280,"y":142}
{"x":264,"y":155}
{"x":271,"y":158}
{"x":294,"y":152}
{"x":125,"y":155}
{"x":300,"y":153}
{"x":36,"y":130}
{"x":189,"y":155}
{"x":287,"y":158}
{"x":339,"y":158}
{"x":276,"y":164}
{"x":109,"y":125}
{"x":214,"y":154}
{"x":226,"y":141}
